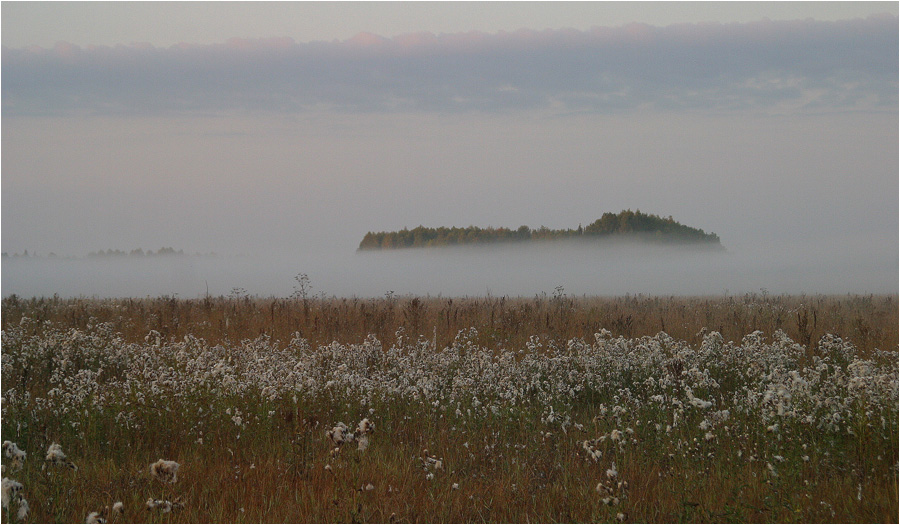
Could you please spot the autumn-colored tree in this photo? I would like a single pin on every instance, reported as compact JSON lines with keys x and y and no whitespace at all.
{"x":627,"y":222}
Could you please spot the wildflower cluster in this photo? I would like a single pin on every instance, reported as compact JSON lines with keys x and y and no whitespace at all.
{"x":13,"y":494}
{"x":56,"y":456}
{"x":431,"y":464}
{"x":781,"y":405}
{"x":11,"y":451}
{"x":612,"y":490}
{"x":164,"y":506}
{"x":165,"y":471}
{"x":770,"y":380}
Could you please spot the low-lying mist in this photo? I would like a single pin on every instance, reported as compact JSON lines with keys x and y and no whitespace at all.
{"x":610,"y":268}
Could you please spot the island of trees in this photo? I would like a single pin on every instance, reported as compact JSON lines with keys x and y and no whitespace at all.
{"x":626,"y":224}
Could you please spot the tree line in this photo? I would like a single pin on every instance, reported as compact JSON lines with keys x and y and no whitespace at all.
{"x":626,"y":223}
{"x":137,"y":252}
{"x":110,"y":253}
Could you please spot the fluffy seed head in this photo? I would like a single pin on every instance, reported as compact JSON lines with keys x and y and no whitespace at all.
{"x":611,"y":472}
{"x":56,"y":456}
{"x":365,"y":427}
{"x":164,"y":506}
{"x":362,"y":442}
{"x":165,"y":471}
{"x":14,"y":453}
{"x":12,"y":491}
{"x":339,"y":434}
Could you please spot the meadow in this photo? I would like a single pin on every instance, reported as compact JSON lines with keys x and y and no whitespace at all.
{"x":556,"y":408}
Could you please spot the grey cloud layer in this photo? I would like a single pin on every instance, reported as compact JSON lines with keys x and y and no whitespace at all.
{"x":796,"y":65}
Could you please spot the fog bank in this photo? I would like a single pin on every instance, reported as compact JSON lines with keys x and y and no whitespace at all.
{"x":514,"y":270}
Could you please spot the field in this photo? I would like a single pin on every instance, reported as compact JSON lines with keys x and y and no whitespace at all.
{"x":753,"y":408}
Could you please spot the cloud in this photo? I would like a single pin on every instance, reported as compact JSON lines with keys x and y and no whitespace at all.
{"x":768,"y":66}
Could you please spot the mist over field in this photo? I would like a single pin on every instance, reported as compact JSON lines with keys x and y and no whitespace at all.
{"x":801,"y":205}
{"x":573,"y":268}
{"x":779,"y":136}
{"x":593,"y":262}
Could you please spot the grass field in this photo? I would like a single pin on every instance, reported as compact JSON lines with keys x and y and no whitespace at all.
{"x":753,"y":408}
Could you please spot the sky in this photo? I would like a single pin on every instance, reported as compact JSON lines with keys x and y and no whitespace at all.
{"x":169,"y":23}
{"x":291,"y":129}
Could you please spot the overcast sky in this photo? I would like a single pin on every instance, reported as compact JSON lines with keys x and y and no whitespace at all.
{"x":296,"y":127}
{"x":168,"y":23}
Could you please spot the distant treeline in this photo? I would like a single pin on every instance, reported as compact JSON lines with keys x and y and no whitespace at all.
{"x":624,"y":224}
{"x":136,"y":253}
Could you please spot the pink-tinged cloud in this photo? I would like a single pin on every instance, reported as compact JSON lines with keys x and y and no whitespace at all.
{"x":799,"y":65}
{"x":260,"y":43}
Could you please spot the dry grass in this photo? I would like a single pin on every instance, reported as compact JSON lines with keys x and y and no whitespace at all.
{"x":143,"y":401}
{"x":869,"y":321}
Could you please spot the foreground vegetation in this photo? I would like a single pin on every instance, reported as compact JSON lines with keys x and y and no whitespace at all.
{"x":490,"y":409}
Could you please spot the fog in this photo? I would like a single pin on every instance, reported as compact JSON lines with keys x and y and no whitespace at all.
{"x":528,"y":269}
{"x":805,"y":204}
{"x":780,"y":137}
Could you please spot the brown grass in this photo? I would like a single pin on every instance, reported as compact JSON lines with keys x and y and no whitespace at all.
{"x":871,"y":322}
{"x":275,"y":472}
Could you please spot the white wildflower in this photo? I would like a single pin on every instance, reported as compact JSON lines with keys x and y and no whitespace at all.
{"x":612,"y":473}
{"x":365,"y":427}
{"x":12,"y":491}
{"x":362,"y":442}
{"x":56,"y":456}
{"x":165,"y":471}
{"x":164,"y":506}
{"x":699,"y":403}
{"x":339,"y":434}
{"x":13,"y":452}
